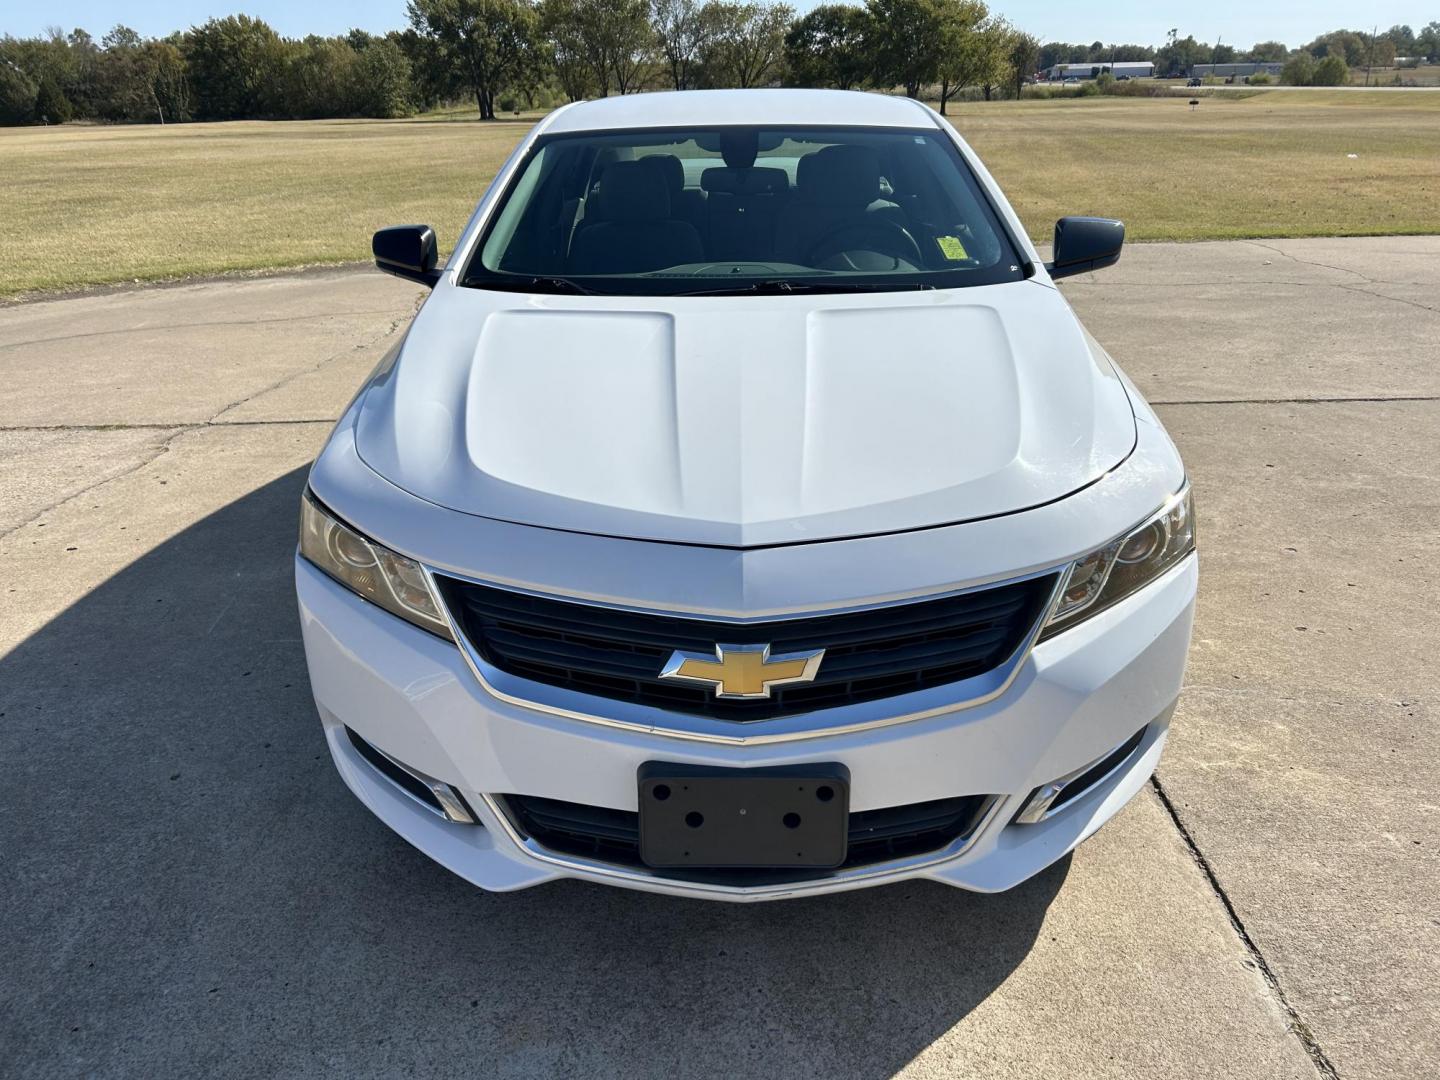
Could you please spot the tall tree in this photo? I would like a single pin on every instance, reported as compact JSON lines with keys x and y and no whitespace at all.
{"x":1273,"y":52}
{"x":992,"y":70}
{"x":491,"y":42}
{"x":123,"y":90}
{"x":1179,"y":55}
{"x":680,"y":36}
{"x":1427,"y":41}
{"x":167,"y":81}
{"x":434,"y":77}
{"x":17,"y":94}
{"x":382,"y":80}
{"x":1022,"y":54}
{"x":611,"y":40}
{"x":1403,"y":38}
{"x":236,"y":66}
{"x":570,"y":57}
{"x":909,"y":42}
{"x":828,"y":47}
{"x":744,"y":42}
{"x":967,"y":52}
{"x":630,"y":40}
{"x":1346,"y":44}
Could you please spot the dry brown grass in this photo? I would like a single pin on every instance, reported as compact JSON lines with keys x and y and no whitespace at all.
{"x":1270,"y":164}
{"x":88,"y":205}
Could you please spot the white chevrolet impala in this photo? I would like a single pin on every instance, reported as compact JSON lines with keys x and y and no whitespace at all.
{"x":746,"y":515}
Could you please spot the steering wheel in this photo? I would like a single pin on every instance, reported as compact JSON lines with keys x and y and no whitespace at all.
{"x":882,"y":238}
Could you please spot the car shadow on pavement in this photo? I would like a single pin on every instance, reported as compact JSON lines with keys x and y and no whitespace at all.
{"x":191,"y":889}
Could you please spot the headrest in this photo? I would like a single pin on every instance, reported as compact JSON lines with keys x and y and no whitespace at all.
{"x":840,"y":176}
{"x":669,"y":167}
{"x":631,"y":192}
{"x":739,"y":148}
{"x":745,"y":181}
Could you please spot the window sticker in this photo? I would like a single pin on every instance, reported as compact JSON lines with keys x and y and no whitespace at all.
{"x":952,"y":248}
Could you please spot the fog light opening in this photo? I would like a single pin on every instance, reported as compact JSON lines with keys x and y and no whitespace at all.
{"x":1049,"y":799}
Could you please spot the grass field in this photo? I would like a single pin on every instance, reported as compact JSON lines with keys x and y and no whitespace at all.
{"x":93,"y":205}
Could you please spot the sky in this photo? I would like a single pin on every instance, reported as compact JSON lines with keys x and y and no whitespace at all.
{"x":1144,"y":22}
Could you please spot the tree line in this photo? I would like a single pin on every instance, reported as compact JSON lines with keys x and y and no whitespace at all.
{"x":1178,"y":55}
{"x":509,"y":54}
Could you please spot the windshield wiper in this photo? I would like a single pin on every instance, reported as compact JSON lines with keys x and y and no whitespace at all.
{"x":535,"y":284}
{"x":780,"y":286}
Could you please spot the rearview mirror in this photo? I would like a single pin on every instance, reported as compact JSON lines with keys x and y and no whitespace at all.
{"x":1083,"y":244}
{"x":407,"y":251}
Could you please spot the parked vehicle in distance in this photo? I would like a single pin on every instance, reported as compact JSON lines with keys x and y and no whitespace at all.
{"x":746,"y":515}
{"x":1195,"y":82}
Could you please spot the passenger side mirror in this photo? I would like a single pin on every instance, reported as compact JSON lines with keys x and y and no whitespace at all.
{"x":1083,"y":244}
{"x":407,"y":251}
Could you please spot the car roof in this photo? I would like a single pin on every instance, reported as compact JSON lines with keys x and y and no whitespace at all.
{"x":701,"y":108}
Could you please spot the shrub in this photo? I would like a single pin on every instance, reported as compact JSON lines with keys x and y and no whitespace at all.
{"x":51,"y":104}
{"x":1332,"y":71}
{"x":1105,"y":82}
{"x":1299,"y":70}
{"x":1260,"y":79}
{"x":384,"y":82}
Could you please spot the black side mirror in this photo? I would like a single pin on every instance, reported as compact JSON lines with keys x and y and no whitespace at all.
{"x":1083,"y":244}
{"x":407,"y":251}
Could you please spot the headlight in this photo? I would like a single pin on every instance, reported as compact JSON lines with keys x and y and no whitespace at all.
{"x":1111,"y":573}
{"x":391,"y":581}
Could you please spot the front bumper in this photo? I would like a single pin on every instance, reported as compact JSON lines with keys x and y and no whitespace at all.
{"x":1075,"y":699}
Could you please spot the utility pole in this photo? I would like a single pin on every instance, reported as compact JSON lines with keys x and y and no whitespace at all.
{"x":1370,"y":54}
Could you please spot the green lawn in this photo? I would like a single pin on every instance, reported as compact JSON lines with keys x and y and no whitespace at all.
{"x":89,"y":205}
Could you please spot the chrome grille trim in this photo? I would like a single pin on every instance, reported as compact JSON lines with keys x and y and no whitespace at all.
{"x":905,"y":708}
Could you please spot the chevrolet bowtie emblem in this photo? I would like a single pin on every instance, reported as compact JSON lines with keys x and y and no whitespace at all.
{"x":742,"y":671}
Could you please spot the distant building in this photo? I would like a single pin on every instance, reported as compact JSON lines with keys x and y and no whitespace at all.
{"x":1129,"y":69}
{"x":1226,"y":71}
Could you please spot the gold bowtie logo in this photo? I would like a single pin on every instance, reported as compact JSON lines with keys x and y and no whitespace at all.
{"x":742,"y":671}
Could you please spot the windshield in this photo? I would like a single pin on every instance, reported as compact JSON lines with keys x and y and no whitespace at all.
{"x":743,"y":209}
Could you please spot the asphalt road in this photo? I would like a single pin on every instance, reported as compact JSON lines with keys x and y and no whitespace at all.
{"x":190,"y":890}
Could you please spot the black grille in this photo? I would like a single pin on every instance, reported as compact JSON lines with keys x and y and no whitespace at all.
{"x":872,"y":654}
{"x":613,"y":836}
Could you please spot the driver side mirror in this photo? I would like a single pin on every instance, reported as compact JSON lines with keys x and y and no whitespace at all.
{"x":1083,"y":244}
{"x":407,"y":251}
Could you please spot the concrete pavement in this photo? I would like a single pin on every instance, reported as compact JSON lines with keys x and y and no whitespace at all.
{"x":192,"y":889}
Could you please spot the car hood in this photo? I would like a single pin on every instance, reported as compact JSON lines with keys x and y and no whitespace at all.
{"x":746,"y":421}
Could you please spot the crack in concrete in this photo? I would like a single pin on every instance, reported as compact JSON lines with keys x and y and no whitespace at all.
{"x":187,"y":424}
{"x":1324,"y":266}
{"x":1301,"y":400}
{"x":167,"y":327}
{"x":1383,"y":296}
{"x":213,"y":422}
{"x":388,"y":332}
{"x":160,"y":452}
{"x":1365,"y":278}
{"x":1111,"y":283}
{"x":219,"y":423}
{"x":1296,"y":1023}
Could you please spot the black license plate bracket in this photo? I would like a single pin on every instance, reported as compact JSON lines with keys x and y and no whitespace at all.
{"x":769,"y":818}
